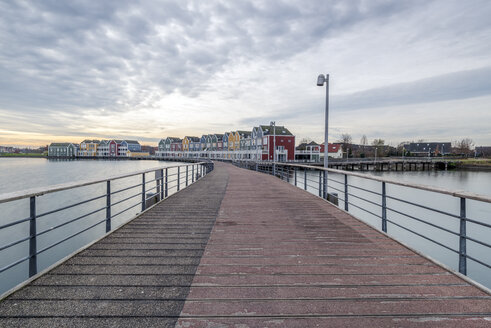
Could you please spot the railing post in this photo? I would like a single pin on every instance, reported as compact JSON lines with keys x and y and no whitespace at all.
{"x":187,"y":169}
{"x":108,"y":206}
{"x":320,"y":184}
{"x":295,"y":173}
{"x":288,"y":174}
{"x":384,"y":208}
{"x":161,"y":184}
{"x":257,"y":167}
{"x":346,"y":192}
{"x":462,"y":239}
{"x":33,"y":266}
{"x":192,"y":173}
{"x":178,"y":178}
{"x":143,"y":192}
{"x":166,"y":193}
{"x":305,"y":179}
{"x":324,"y":189}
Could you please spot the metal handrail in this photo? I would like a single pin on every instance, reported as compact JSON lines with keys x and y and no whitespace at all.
{"x":161,"y":185}
{"x":7,"y":197}
{"x":284,"y":170}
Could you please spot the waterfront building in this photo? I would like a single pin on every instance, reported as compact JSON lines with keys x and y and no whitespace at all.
{"x":63,"y":149}
{"x":88,"y":148}
{"x":334,"y":150}
{"x":279,"y":137}
{"x":308,"y":152}
{"x":126,"y":146}
{"x":428,"y":148}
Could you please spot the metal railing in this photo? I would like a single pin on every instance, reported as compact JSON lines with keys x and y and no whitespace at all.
{"x":334,"y":185}
{"x":142,"y":195}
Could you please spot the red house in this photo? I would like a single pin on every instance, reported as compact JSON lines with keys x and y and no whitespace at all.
{"x":280,"y":137}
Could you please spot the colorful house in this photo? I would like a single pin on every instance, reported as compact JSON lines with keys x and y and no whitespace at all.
{"x":88,"y":148}
{"x":334,"y":150}
{"x":279,"y":137}
{"x":63,"y":149}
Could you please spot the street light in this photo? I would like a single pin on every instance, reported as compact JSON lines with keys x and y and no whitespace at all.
{"x":321,"y":79}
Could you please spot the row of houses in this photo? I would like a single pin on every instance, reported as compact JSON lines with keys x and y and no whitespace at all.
{"x":261,"y":143}
{"x":97,"y":148}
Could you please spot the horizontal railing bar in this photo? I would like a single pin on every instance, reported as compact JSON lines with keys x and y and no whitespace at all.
{"x":124,"y":189}
{"x":14,"y":223}
{"x":423,"y":221}
{"x":331,"y":187}
{"x":424,"y":207}
{"x":361,"y":208}
{"x":364,"y":199}
{"x":364,"y":189}
{"x":478,"y":261}
{"x":70,"y":236}
{"x":15,"y":263}
{"x":477,"y":241}
{"x":14,"y":243}
{"x":461,"y":194}
{"x":423,"y":236}
{"x":127,"y":209}
{"x":70,"y":221}
{"x":42,"y":191}
{"x":125,"y":199}
{"x":478,"y":222}
{"x":70,"y":206}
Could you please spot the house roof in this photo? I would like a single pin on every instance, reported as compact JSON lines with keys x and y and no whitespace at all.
{"x":245,"y":133}
{"x":333,"y":148}
{"x":278,"y":130}
{"x":132,"y":142}
{"x":424,"y":147}
{"x":193,"y":139}
{"x":60,"y":144}
{"x":91,"y":141}
{"x":303,"y":146}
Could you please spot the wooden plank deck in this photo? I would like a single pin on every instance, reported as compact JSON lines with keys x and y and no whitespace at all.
{"x":276,"y":257}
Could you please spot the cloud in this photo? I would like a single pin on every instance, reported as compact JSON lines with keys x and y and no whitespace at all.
{"x":200,"y":65}
{"x":457,"y":85}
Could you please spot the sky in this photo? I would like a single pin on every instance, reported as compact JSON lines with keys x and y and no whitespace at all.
{"x":398,"y":70}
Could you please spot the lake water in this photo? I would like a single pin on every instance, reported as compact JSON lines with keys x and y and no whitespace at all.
{"x":17,"y":174}
{"x":470,"y":181}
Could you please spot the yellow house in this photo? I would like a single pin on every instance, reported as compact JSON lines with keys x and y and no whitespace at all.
{"x":89,"y":147}
{"x":236,"y":140}
{"x":137,"y":154}
{"x":231,"y":141}
{"x":185,"y":143}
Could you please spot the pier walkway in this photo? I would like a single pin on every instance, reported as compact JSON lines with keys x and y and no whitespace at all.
{"x":244,"y":249}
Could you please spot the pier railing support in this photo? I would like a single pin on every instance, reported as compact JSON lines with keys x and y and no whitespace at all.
{"x":108,"y":206}
{"x":187,"y":177}
{"x":178,"y":178}
{"x":305,"y":179}
{"x":143,"y":192}
{"x":33,"y":266}
{"x":384,"y":208}
{"x":346,"y":192}
{"x":295,"y":173}
{"x":462,"y":239}
{"x":166,"y":192}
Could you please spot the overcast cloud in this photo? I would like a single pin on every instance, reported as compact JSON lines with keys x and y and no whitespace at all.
{"x":151,"y":69}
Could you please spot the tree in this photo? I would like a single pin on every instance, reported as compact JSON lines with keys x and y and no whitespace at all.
{"x":464,"y":146}
{"x":346,"y":141}
{"x":364,"y":140}
{"x":379,"y":145}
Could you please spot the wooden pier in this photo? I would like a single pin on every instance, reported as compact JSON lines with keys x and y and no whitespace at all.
{"x":245,"y":249}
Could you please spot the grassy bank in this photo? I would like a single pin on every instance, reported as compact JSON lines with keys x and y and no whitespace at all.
{"x":37,"y":155}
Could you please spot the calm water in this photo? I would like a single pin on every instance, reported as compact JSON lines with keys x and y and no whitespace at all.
{"x":470,"y":181}
{"x":18,"y":174}
{"x":25,"y":173}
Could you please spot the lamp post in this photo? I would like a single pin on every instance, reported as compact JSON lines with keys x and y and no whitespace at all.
{"x":273,"y":124}
{"x":321,"y":80}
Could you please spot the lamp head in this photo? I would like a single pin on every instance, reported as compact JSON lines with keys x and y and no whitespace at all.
{"x":320,"y":80}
